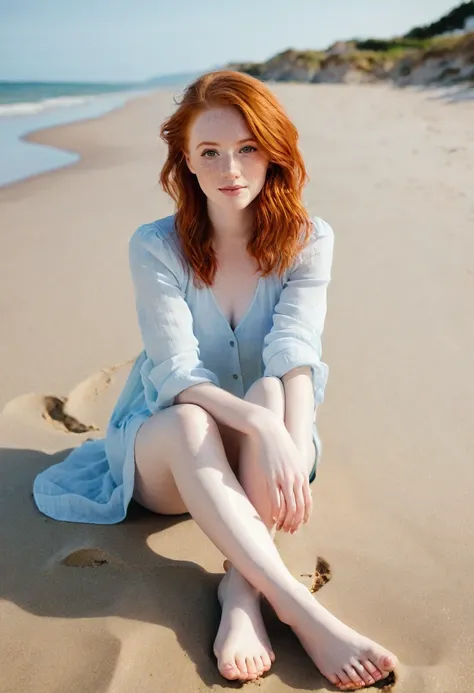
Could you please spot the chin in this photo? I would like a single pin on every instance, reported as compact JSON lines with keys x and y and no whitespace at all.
{"x":240,"y":202}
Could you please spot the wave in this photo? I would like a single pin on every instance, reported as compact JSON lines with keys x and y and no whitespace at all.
{"x":34,"y":107}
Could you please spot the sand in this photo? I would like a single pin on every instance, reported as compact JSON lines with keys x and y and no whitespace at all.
{"x":131,"y":607}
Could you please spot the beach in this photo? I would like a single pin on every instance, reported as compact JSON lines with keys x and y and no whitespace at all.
{"x":132,"y":607}
{"x":29,"y":108}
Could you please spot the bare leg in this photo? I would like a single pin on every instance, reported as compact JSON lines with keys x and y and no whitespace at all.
{"x":181,"y":466}
{"x":242,"y":645}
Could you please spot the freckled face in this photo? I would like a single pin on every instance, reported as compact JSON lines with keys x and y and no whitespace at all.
{"x":222,"y":153}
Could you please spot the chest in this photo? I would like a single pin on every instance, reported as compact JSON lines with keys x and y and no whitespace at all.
{"x":235,"y":285}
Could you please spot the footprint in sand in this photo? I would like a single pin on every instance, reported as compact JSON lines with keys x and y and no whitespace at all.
{"x":320,"y":576}
{"x":85,"y":409}
{"x":90,"y":558}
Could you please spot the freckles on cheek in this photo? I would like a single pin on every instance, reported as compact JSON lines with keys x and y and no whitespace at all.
{"x":205,"y":163}
{"x":258,"y":167}
{"x":203,"y":168}
{"x":206,"y":171}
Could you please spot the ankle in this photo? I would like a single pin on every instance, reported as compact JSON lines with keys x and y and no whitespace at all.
{"x":238,"y":588}
{"x":289,"y":602}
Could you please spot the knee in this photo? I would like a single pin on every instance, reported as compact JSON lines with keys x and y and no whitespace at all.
{"x":268,"y":392}
{"x":268,"y":387}
{"x":173,"y":423}
{"x":191,"y":415}
{"x":193,"y":421}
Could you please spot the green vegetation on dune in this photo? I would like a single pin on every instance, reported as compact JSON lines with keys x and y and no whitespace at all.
{"x":452,"y":21}
{"x":395,"y":45}
{"x":416,"y":48}
{"x":401,"y":46}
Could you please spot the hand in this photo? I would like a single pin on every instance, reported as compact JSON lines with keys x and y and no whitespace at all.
{"x":285,"y":471}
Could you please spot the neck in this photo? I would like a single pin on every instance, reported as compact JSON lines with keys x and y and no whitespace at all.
{"x":231,"y":228}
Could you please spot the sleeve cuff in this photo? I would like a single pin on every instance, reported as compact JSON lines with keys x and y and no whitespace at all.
{"x":294,"y":355}
{"x":161,"y":397}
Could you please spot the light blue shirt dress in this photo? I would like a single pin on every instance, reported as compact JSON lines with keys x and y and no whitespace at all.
{"x":188,"y":340}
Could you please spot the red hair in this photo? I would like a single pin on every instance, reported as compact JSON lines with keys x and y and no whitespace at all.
{"x":281,"y":226}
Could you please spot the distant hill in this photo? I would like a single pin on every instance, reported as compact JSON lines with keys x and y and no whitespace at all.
{"x":440,"y":53}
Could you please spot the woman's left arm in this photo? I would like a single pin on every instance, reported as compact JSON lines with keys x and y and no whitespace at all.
{"x":299,"y":409}
{"x":292,"y":349}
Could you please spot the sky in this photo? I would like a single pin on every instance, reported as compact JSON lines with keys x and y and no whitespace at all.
{"x":134,"y":40}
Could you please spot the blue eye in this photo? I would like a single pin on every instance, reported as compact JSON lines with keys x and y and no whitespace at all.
{"x":249,"y":146}
{"x":208,"y":151}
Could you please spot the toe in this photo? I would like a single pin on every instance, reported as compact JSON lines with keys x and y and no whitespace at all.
{"x":229,"y":671}
{"x":364,"y":674}
{"x":372,"y":669}
{"x":354,"y":676}
{"x":389,"y":662}
{"x":258,"y":665}
{"x":242,"y":667}
{"x":266,"y":663}
{"x":251,"y":668}
{"x":385,"y":662}
{"x":344,"y":679}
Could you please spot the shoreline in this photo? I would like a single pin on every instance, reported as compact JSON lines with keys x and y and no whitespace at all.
{"x":21,"y":134}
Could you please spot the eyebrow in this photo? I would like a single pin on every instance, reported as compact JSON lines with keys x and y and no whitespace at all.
{"x":216,"y":144}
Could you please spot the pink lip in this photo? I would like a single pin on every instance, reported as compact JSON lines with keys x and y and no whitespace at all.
{"x":233,"y":187}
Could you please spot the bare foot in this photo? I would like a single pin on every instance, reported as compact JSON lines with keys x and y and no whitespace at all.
{"x":349,"y":660}
{"x":242,"y":646}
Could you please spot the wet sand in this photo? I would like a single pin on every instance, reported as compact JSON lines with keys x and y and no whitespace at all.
{"x":132,"y":607}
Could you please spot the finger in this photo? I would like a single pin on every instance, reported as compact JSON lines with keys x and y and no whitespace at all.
{"x":300,"y":505}
{"x":282,"y":514}
{"x":308,"y":501}
{"x":274,"y":496}
{"x":289,"y":494}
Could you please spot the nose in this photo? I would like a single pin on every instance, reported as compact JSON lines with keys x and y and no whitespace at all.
{"x":230,"y":167}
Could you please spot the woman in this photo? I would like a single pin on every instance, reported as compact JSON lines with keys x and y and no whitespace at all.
{"x":217,"y":415}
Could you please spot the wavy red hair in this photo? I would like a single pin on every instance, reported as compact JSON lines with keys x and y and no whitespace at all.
{"x":281,"y":225}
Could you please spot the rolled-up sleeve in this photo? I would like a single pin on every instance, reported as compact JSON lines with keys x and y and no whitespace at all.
{"x":165,"y":320}
{"x":298,"y":319}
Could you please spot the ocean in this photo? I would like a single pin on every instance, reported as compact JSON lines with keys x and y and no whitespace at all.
{"x":29,"y":106}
